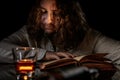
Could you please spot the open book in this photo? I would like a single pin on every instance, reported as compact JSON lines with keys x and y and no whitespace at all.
{"x":91,"y":61}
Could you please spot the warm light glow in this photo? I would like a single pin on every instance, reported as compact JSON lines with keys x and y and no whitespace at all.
{"x":25,"y":65}
{"x":26,"y":68}
{"x":25,"y":60}
{"x":25,"y":77}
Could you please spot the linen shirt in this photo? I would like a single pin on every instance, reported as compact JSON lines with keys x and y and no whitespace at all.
{"x":93,"y":42}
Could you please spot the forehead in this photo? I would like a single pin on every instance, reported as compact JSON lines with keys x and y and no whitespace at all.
{"x":49,"y":3}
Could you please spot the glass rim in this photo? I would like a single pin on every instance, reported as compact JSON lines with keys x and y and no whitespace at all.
{"x":24,"y":48}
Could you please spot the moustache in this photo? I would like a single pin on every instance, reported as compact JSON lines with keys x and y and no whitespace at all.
{"x":49,"y":26}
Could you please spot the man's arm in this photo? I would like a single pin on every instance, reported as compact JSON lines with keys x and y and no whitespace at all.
{"x":108,"y":45}
{"x":18,"y":39}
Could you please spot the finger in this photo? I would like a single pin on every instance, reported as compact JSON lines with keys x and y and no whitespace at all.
{"x":51,"y":57}
{"x":62,"y":54}
{"x":66,"y":54}
{"x":70,"y":55}
{"x":54,"y":57}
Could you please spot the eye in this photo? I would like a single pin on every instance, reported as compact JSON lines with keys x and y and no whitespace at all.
{"x":43,"y":10}
{"x":56,"y":13}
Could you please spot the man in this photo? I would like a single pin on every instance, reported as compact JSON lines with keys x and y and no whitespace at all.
{"x":59,"y":29}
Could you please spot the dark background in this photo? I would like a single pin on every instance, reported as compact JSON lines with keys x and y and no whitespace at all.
{"x":102,"y":15}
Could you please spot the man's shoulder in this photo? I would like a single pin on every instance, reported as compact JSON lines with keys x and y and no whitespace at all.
{"x":93,"y":34}
{"x":23,"y":28}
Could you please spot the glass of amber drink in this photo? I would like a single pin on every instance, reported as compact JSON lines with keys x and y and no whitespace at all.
{"x":25,"y":58}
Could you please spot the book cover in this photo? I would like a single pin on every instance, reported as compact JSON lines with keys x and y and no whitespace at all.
{"x":91,"y":61}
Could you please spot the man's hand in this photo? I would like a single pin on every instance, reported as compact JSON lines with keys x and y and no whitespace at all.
{"x":57,"y":55}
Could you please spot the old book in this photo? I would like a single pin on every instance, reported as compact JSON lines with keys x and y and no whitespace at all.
{"x":92,"y":61}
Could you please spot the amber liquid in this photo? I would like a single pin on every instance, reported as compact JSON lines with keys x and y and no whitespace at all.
{"x":25,"y":65}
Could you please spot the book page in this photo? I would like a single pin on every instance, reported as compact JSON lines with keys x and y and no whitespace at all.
{"x":63,"y":61}
{"x":78,"y":58}
{"x":49,"y":62}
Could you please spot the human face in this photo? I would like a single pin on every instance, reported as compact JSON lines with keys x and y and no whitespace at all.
{"x":49,"y":16}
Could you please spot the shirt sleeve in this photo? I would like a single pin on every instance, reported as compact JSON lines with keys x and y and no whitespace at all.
{"x":18,"y":39}
{"x":108,"y":45}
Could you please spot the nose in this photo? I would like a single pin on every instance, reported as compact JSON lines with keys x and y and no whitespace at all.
{"x":50,"y":18}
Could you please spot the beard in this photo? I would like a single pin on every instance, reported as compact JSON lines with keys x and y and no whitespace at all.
{"x":49,"y":29}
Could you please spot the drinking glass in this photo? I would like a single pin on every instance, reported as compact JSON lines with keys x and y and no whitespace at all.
{"x":25,"y":58}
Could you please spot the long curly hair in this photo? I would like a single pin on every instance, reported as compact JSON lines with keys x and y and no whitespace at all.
{"x":73,"y":25}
